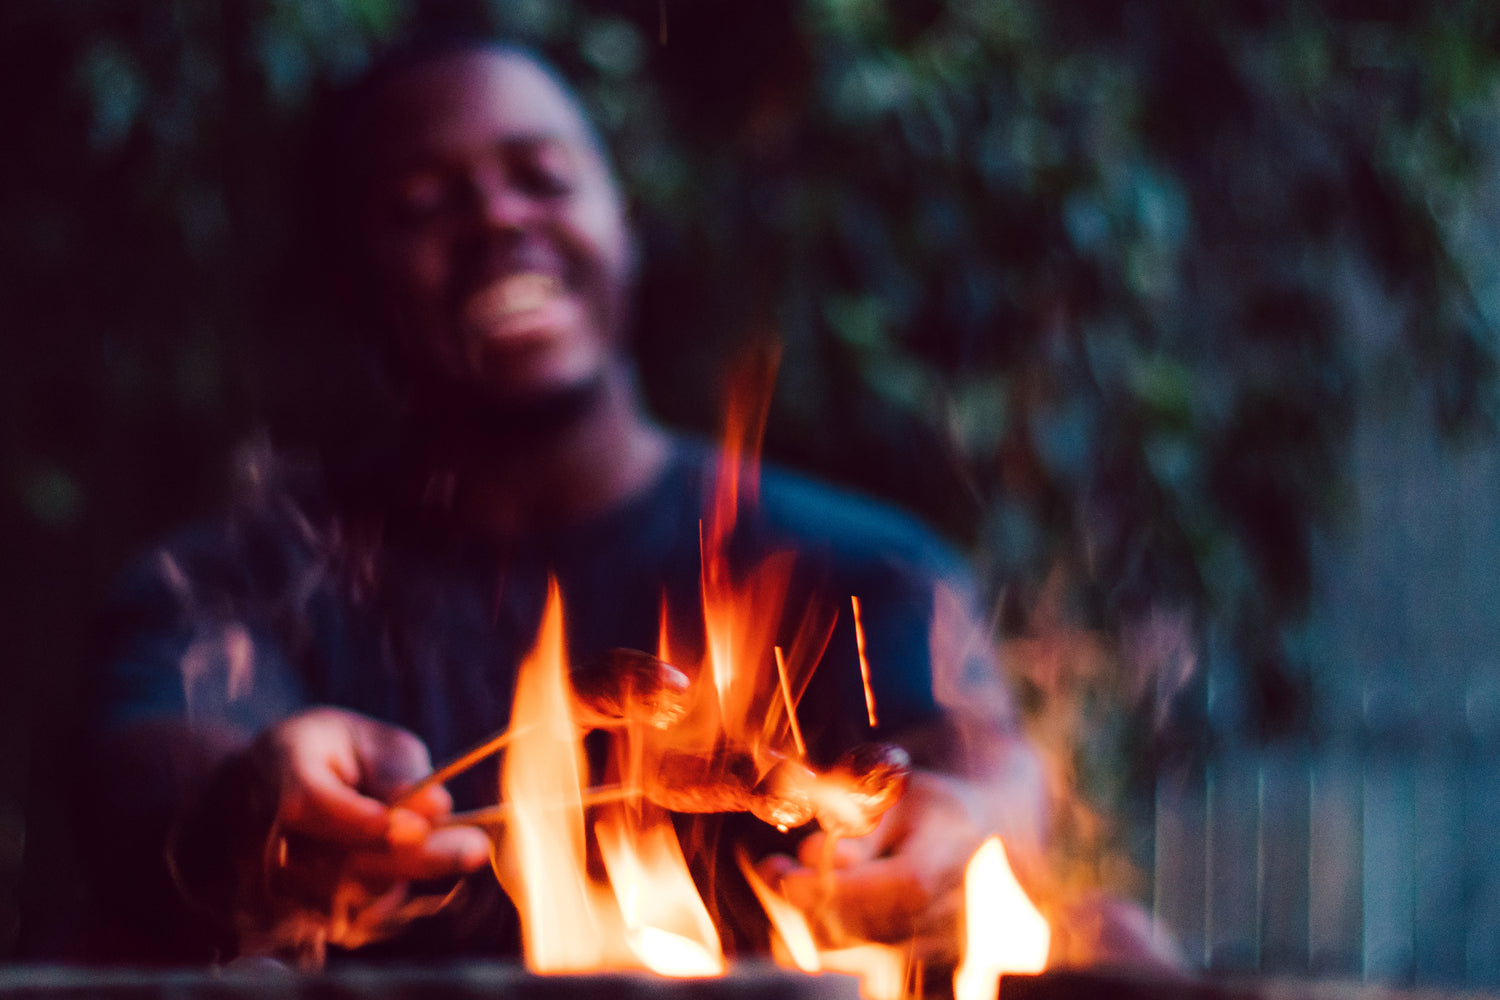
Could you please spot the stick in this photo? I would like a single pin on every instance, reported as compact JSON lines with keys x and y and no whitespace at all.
{"x":864,"y":664}
{"x":791,"y":711}
{"x":460,"y":764}
{"x":469,"y":758}
{"x":497,"y":815}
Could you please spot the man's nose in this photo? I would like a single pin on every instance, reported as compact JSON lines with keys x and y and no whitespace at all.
{"x":498,"y":204}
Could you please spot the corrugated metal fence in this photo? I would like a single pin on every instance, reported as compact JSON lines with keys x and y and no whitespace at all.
{"x":1367,"y":845}
{"x":1360,"y":857}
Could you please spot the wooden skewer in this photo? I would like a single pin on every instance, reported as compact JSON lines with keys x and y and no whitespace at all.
{"x":497,"y":815}
{"x":627,"y":674}
{"x":864,"y":663}
{"x":461,"y":763}
{"x":786,"y":697}
{"x":458,"y":765}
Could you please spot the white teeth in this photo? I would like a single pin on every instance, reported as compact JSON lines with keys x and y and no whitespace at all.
{"x":510,"y":296}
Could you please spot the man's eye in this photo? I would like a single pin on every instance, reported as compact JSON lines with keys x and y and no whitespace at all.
{"x":548,"y":170}
{"x":540,"y":180}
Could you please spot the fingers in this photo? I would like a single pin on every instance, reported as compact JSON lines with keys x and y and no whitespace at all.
{"x":882,"y":898}
{"x":432,"y":803}
{"x":335,"y":846}
{"x":888,"y":899}
{"x":901,"y":881}
{"x":314,"y":872}
{"x":442,"y":854}
{"x":929,"y":803}
{"x":894,"y":827}
{"x":391,"y":759}
{"x":309,"y":760}
{"x":317,"y":803}
{"x":335,"y":769}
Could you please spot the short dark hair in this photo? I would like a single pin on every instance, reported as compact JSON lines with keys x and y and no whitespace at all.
{"x":342,"y":120}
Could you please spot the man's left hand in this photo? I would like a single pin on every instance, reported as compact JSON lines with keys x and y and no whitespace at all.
{"x":901,"y":883}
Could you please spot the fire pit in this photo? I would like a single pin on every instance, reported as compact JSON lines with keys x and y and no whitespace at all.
{"x":460,"y":982}
{"x":492,"y":981}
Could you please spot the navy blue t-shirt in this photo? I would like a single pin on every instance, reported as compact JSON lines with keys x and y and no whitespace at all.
{"x":277,"y":608}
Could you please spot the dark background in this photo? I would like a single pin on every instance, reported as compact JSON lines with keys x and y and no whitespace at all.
{"x":1110,"y":293}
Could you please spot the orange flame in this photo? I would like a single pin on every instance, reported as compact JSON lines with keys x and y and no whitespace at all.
{"x":667,"y":925}
{"x":744,"y":608}
{"x":1003,"y":931}
{"x":653,"y":918}
{"x":562,"y":917}
{"x":881,"y":969}
{"x":744,"y":429}
{"x":643,"y":910}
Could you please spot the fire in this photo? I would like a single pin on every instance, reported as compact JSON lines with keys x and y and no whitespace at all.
{"x":881,"y":969}
{"x":564,"y":917}
{"x":667,"y":925}
{"x":743,"y":611}
{"x":597,"y":873}
{"x":644,"y":912}
{"x":647,"y":914}
{"x":1003,"y":931}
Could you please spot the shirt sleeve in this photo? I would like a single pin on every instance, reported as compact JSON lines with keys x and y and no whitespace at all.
{"x":186,"y":636}
{"x":188,"y":667}
{"x":927,"y":652}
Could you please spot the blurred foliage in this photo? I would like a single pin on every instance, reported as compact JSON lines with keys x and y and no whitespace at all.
{"x":1093,"y":287}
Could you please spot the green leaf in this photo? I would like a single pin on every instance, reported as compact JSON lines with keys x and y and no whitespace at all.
{"x":1165,"y":387}
{"x":613,"y":47}
{"x":858,"y":321}
{"x":978,"y":415}
{"x":116,"y":90}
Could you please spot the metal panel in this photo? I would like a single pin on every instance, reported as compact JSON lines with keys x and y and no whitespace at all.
{"x":1285,"y":811}
{"x":1389,"y":853}
{"x":1180,"y":883}
{"x":1335,"y":919}
{"x":1234,"y":854}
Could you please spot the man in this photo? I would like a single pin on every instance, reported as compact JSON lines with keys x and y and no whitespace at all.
{"x":286,"y":675}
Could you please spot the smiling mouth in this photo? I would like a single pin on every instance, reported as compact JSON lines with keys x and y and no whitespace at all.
{"x":510,"y":304}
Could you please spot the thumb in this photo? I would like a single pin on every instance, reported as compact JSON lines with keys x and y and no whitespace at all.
{"x":389,"y":758}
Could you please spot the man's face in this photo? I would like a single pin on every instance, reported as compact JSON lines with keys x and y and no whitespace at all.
{"x":496,"y":237}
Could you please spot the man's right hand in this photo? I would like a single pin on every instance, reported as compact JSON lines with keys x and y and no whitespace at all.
{"x":331,"y":856}
{"x":334,"y":772}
